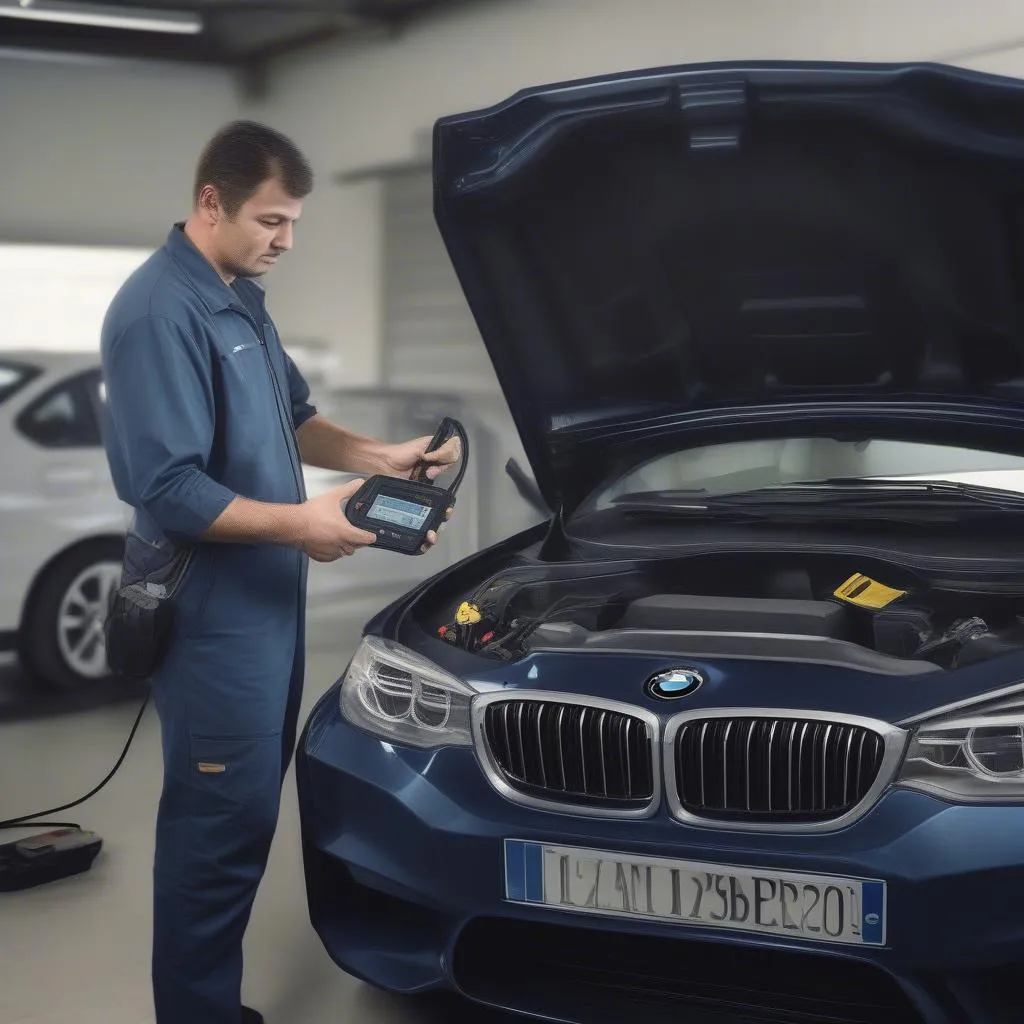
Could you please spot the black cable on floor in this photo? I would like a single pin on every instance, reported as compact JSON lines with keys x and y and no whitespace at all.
{"x":29,"y":819}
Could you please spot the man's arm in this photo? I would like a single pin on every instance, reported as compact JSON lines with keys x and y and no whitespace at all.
{"x":245,"y":521}
{"x":161,"y":406}
{"x":326,"y":445}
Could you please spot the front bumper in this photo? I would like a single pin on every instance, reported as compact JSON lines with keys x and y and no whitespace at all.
{"x":404,"y":868}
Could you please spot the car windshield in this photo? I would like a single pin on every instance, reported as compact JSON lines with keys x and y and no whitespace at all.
{"x":750,"y":465}
{"x":13,"y":376}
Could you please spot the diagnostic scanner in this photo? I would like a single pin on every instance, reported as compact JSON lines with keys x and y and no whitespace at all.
{"x":402,"y":512}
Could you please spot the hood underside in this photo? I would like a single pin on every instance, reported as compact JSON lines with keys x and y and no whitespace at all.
{"x":692,"y":255}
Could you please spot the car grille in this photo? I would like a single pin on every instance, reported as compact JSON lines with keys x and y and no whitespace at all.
{"x":604,"y":976}
{"x":774,"y":769}
{"x":572,"y":753}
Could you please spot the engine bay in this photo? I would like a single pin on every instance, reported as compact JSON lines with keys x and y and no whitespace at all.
{"x":875,"y":606}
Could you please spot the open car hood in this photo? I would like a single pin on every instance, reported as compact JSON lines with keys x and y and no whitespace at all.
{"x":723,"y":252}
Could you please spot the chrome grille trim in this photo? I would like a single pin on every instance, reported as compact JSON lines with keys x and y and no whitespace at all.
{"x":807,"y":731}
{"x":557,"y":800}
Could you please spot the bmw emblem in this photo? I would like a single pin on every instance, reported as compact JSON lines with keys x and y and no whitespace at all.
{"x":676,"y":683}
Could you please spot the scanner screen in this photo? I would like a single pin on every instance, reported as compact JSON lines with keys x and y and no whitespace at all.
{"x":409,"y":514}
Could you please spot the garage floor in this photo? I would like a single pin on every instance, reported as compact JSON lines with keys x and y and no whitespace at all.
{"x":77,"y":951}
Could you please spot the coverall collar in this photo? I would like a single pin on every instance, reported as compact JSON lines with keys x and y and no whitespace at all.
{"x":206,"y":281}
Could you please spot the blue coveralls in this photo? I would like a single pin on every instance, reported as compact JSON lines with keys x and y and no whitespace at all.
{"x":203,"y":404}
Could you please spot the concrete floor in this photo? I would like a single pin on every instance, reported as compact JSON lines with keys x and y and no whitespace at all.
{"x":77,"y":951}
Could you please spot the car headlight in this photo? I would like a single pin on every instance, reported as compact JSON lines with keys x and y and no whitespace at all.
{"x":394,"y":693}
{"x":974,"y":755}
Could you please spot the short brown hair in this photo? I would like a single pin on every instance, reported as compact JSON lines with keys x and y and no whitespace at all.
{"x":243,"y":155}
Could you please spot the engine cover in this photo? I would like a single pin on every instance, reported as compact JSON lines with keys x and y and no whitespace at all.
{"x":738,"y":615}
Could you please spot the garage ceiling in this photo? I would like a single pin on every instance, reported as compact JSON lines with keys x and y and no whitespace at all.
{"x":232,"y":33}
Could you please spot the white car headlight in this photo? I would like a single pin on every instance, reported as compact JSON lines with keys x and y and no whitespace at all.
{"x":394,"y":693}
{"x":973,"y":755}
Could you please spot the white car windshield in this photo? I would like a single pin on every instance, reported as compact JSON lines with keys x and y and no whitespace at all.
{"x":749,"y":465}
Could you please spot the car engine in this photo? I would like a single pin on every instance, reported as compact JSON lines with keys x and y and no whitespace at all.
{"x":883,"y":609}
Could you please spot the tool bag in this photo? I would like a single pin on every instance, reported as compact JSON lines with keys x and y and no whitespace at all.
{"x":140,"y":620}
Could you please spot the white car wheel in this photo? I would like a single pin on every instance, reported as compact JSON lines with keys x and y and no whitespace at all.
{"x":62,"y":639}
{"x":80,"y":618}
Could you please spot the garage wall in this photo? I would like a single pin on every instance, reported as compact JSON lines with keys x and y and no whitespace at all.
{"x":366,"y":104}
{"x":428,"y":336}
{"x":102,"y":153}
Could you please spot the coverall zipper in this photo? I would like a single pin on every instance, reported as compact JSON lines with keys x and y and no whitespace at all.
{"x":279,"y":402}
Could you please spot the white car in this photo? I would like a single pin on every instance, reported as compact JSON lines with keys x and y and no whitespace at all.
{"x":62,"y":524}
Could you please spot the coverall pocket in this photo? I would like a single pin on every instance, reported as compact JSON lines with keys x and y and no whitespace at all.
{"x":234,"y":766}
{"x":235,"y":790}
{"x":245,"y":361}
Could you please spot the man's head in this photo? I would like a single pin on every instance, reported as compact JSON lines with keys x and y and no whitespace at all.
{"x":249,"y":187}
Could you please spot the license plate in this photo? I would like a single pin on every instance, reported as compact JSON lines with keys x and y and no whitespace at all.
{"x":822,"y":908}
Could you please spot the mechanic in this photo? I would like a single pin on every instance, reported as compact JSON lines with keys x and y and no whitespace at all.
{"x":207,"y":420}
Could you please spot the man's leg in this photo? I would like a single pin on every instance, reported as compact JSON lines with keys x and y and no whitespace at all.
{"x":215,"y":824}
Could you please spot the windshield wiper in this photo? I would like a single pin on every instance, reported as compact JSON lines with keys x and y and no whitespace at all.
{"x":930,"y":493}
{"x":843,"y":498}
{"x":838,"y":491}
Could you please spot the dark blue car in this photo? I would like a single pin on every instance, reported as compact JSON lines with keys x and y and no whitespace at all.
{"x":737,"y":734}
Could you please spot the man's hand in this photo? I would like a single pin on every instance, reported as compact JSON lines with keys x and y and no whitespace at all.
{"x":432,"y":536}
{"x":402,"y":459}
{"x":324,"y":533}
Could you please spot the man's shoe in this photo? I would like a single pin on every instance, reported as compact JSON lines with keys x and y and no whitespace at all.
{"x":251,"y":1016}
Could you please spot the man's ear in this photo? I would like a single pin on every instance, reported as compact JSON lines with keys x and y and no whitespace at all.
{"x":209,"y":204}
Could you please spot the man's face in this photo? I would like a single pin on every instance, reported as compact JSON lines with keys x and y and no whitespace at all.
{"x":249,"y":244}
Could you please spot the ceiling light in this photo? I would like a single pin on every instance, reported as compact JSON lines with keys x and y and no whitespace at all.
{"x":94,"y":16}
